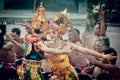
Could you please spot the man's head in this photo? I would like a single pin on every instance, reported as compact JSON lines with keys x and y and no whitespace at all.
{"x":97,"y":29}
{"x":105,"y":41}
{"x":16,"y":33}
{"x":102,"y":43}
{"x":71,"y":36}
{"x":28,"y":27}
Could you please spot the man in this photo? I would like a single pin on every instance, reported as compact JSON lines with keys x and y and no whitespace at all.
{"x":7,"y":59}
{"x":76,"y":58}
{"x":99,"y":29}
{"x":103,"y":45}
{"x":112,"y":69}
{"x":16,"y":41}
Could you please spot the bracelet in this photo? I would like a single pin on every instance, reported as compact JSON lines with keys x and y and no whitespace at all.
{"x":101,"y":55}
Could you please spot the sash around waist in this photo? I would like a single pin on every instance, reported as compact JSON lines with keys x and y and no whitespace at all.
{"x":32,"y":62}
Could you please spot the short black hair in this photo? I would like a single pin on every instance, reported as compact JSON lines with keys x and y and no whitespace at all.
{"x":113,"y":52}
{"x":16,"y":30}
{"x":78,"y":32}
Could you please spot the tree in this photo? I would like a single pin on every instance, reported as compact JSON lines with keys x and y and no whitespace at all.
{"x":91,"y":5}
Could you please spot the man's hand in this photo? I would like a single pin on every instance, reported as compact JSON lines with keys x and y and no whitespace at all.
{"x":101,"y":13}
{"x":88,"y":69}
{"x":8,"y":36}
{"x":109,"y":57}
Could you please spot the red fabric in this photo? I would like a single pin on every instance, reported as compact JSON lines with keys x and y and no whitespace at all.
{"x":70,"y":61}
{"x":26,"y":39}
{"x":7,"y":66}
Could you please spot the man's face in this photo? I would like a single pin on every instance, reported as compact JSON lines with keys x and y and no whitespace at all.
{"x":97,"y":30}
{"x":99,"y":46}
{"x":71,"y":37}
{"x":15,"y":36}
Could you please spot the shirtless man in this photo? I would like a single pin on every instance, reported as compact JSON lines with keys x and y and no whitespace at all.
{"x":113,"y":69}
{"x":7,"y":58}
{"x":99,"y":29}
{"x":16,"y":41}
{"x":77,"y":59}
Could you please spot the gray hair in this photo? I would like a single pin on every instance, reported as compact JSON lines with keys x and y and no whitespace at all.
{"x":104,"y":40}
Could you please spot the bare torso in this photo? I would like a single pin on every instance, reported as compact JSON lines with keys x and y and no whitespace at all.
{"x":7,"y":54}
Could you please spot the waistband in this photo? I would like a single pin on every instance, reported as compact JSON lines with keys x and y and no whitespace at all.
{"x":32,"y":62}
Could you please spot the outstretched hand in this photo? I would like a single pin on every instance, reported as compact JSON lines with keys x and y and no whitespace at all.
{"x":109,"y":57}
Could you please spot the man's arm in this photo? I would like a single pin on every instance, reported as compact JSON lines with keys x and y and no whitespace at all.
{"x":7,"y":46}
{"x":21,"y":46}
{"x":108,"y":67}
{"x":102,"y":24}
{"x":91,"y":52}
{"x":75,"y":33}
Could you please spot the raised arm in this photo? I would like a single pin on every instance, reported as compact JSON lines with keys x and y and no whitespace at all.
{"x":85,"y":40}
{"x":102,"y":24}
{"x":21,"y":46}
{"x":76,"y":36}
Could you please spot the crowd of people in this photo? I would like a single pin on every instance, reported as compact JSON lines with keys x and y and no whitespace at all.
{"x":34,"y":57}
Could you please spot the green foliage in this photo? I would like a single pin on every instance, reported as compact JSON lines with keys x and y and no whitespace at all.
{"x":94,"y":17}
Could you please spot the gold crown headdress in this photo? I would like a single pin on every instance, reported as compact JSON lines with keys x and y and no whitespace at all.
{"x":61,"y":22}
{"x":40,"y":21}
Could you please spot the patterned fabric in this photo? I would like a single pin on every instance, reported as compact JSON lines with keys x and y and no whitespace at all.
{"x":61,"y":66}
{"x":33,"y":73}
{"x":29,"y":51}
{"x":33,"y":57}
{"x":70,"y":77}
